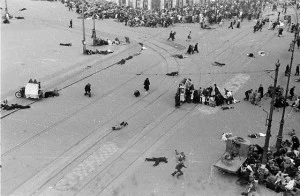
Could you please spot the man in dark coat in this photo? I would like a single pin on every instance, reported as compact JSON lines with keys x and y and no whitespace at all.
{"x":177,"y":100}
{"x":247,"y":94}
{"x":287,"y":70}
{"x":231,"y":25}
{"x":171,"y":35}
{"x":190,"y":49}
{"x":261,"y":91}
{"x":292,"y":92}
{"x":87,"y":89}
{"x":146,"y":84}
{"x":196,"y":48}
{"x":217,"y":92}
{"x":71,"y":24}
{"x":295,"y":143}
{"x":297,"y":70}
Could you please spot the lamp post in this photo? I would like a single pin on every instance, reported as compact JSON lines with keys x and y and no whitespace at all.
{"x":94,"y":31}
{"x":83,"y":32}
{"x":268,"y":134}
{"x":6,"y":10}
{"x":280,"y":132}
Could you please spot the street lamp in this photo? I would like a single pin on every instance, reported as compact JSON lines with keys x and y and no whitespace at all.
{"x":83,"y":32}
{"x":94,"y":31}
{"x":268,"y":134}
{"x":6,"y":10}
{"x":279,"y":137}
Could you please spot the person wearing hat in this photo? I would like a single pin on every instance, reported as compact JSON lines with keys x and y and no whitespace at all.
{"x":87,"y":89}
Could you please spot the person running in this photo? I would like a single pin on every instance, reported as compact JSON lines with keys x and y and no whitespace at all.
{"x":231,"y":25}
{"x":178,"y":168}
{"x":170,"y":36}
{"x":173,"y":36}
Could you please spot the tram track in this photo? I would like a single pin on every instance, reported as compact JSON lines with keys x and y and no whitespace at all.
{"x":147,"y":133}
{"x":110,"y":182}
{"x":168,"y":89}
{"x":66,"y":118}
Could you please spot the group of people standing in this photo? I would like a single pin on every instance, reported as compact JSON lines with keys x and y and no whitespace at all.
{"x":210,"y":96}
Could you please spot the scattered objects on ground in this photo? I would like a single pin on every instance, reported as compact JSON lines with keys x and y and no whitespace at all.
{"x":120,"y":126}
{"x":257,"y":135}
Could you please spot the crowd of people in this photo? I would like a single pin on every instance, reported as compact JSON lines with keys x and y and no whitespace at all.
{"x":211,"y":12}
{"x":255,"y":96}
{"x":282,"y":171}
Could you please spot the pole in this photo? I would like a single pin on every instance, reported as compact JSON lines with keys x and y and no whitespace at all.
{"x":268,"y":134}
{"x":6,"y":10}
{"x":83,"y":32}
{"x":279,"y":137}
{"x":94,"y":32}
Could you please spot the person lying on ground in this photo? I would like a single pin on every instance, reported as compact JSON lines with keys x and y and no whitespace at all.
{"x":13,"y":106}
{"x":120,"y":126}
{"x":65,"y":44}
{"x":90,"y":52}
{"x":180,"y":56}
{"x":19,"y":17}
{"x":157,"y":160}
{"x":226,"y":108}
{"x":174,"y":73}
{"x":104,"y":51}
{"x":50,"y":94}
{"x":218,"y":64}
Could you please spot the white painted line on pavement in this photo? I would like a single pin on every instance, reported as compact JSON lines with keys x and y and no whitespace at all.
{"x":85,"y":168}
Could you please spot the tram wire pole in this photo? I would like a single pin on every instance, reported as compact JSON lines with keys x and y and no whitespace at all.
{"x":280,"y":132}
{"x":6,"y":9}
{"x":268,"y":134}
{"x":94,"y":31}
{"x":83,"y":31}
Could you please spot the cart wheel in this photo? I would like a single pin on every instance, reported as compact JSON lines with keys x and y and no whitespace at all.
{"x":18,"y":94}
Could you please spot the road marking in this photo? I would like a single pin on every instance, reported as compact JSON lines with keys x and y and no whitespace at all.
{"x":86,"y":167}
{"x":233,"y":85}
